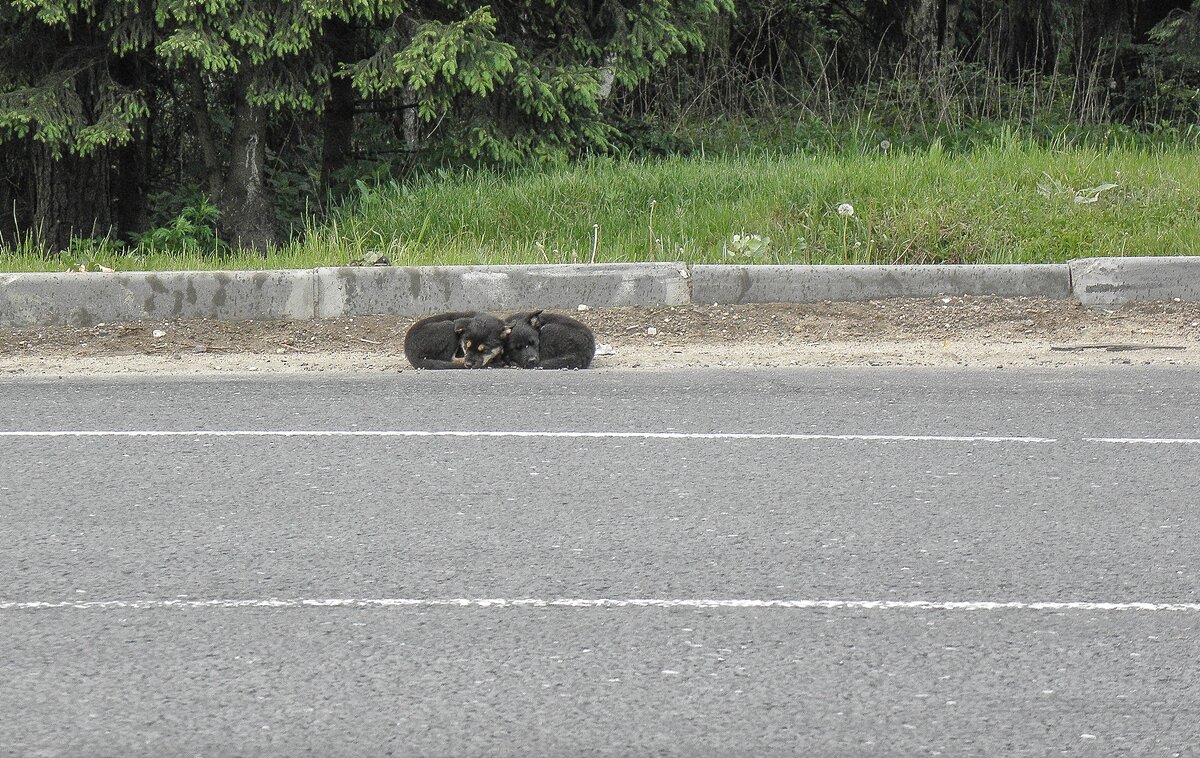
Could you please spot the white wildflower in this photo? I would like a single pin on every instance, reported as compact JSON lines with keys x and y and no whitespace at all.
{"x":845,"y":209}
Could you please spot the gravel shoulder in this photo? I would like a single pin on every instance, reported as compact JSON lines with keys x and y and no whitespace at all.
{"x":944,"y":331}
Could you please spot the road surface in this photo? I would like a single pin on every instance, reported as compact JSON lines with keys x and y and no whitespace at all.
{"x":702,"y":562}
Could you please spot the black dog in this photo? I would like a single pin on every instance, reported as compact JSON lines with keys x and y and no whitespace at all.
{"x":537,"y":339}
{"x":463,"y":339}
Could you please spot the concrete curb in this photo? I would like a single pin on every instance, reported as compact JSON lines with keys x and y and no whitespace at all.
{"x":809,"y":284}
{"x":414,"y":291}
{"x":82,"y":299}
{"x":1100,"y":282}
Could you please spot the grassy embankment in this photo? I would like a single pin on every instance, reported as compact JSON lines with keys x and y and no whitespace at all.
{"x":1006,"y":203}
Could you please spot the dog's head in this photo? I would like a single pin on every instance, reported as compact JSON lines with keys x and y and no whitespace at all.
{"x":522,"y":346}
{"x":480,"y":339}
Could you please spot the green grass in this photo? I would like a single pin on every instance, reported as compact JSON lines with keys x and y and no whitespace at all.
{"x":1010,"y":202}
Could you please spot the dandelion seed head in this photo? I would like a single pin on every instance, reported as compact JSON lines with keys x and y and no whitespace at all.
{"x":845,"y":209}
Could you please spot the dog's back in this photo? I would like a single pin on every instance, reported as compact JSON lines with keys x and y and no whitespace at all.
{"x":459,"y":339}
{"x":562,"y":342}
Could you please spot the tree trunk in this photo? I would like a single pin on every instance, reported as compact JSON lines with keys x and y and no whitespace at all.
{"x":72,"y":197}
{"x":1104,"y":32}
{"x":921,"y":32}
{"x":337,"y":136}
{"x":950,"y":28}
{"x":247,"y":208}
{"x":133,"y":159}
{"x":132,"y":181}
{"x":205,"y":139}
{"x":337,"y":122}
{"x":410,"y":126}
{"x":14,"y":192}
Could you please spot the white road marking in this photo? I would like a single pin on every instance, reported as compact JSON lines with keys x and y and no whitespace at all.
{"x":698,"y":603}
{"x":1145,"y":440}
{"x":612,"y":435}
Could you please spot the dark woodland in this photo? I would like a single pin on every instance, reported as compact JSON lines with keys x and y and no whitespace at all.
{"x":118,"y":117}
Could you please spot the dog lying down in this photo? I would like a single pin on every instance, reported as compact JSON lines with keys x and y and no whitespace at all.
{"x":469,"y":339}
{"x":538,"y":339}
{"x":463,"y":339}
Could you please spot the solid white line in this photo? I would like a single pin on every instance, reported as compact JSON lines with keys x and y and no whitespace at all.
{"x":1145,"y":440}
{"x":463,"y":602}
{"x":612,"y":435}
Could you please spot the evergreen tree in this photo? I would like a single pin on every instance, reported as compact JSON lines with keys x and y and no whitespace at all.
{"x":498,"y":83}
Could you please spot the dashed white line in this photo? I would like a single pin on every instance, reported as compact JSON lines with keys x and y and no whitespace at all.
{"x":612,"y":435}
{"x":586,"y":603}
{"x":1145,"y":440}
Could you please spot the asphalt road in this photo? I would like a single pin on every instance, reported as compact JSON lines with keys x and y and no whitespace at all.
{"x":269,"y":567}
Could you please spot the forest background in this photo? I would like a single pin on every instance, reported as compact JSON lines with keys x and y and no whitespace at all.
{"x":319,"y":132}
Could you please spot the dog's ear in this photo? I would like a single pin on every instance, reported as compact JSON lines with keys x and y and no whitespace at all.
{"x":460,"y":325}
{"x":535,"y":319}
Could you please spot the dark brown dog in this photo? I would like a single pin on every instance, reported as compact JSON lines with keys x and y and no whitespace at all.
{"x":537,"y":339}
{"x":462,"y":339}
